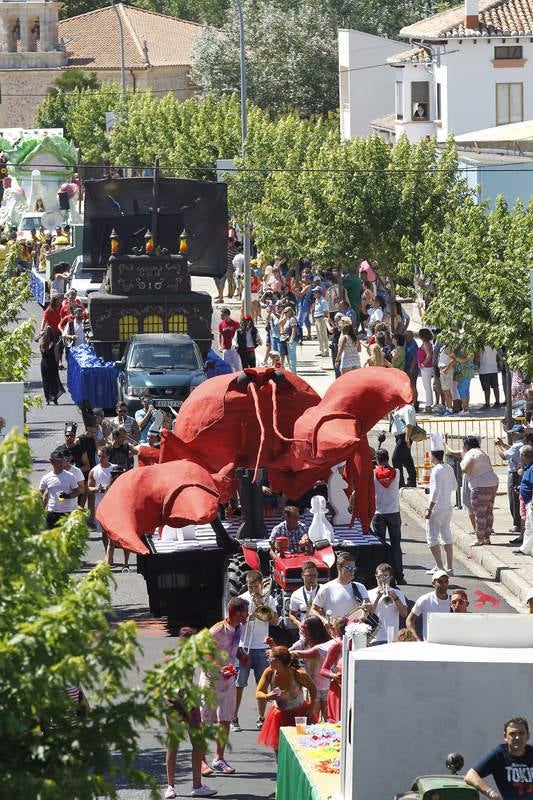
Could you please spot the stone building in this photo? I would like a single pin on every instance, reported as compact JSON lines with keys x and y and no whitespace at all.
{"x":35,"y":46}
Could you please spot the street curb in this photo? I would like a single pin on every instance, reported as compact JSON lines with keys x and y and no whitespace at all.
{"x":417,"y":501}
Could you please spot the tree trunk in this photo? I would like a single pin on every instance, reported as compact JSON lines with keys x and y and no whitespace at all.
{"x":509,"y":399}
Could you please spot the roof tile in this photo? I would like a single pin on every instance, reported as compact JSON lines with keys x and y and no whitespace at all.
{"x":500,"y":18}
{"x":93,"y":39}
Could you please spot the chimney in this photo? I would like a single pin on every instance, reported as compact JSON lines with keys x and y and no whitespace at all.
{"x":471,"y":14}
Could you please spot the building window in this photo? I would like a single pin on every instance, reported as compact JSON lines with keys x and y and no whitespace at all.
{"x":399,"y":99}
{"x":509,"y":103}
{"x":439,"y":102}
{"x":508,"y":53}
{"x":178,"y":323}
{"x":153,"y":323}
{"x":420,"y":100}
{"x":128,"y":325}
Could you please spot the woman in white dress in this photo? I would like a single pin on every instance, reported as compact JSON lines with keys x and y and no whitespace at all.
{"x":349,"y":348}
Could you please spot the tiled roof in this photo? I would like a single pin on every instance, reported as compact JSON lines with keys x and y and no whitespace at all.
{"x":500,"y":18}
{"x":416,"y":55}
{"x":92,"y":40}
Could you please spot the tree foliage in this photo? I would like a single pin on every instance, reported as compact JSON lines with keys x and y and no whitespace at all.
{"x":291,"y":54}
{"x":55,"y":632}
{"x":72,"y":79}
{"x":15,"y":336}
{"x":478,"y":265}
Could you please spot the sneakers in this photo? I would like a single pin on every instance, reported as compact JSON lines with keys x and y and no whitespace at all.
{"x":222,"y":767}
{"x":517,"y":541}
{"x":170,"y":793}
{"x":206,"y":769}
{"x":432,"y":570}
{"x":234,"y":726}
{"x":450,"y":572}
{"x":259,"y":723}
{"x":202,"y":791}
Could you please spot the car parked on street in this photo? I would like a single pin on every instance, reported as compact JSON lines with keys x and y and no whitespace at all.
{"x":82,"y":280}
{"x":169,"y":365}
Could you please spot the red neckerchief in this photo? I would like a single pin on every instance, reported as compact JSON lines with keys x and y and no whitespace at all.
{"x":385,"y":475}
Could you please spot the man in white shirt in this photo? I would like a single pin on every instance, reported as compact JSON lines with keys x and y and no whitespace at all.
{"x":435,"y":602}
{"x":403,"y":422}
{"x":488,"y":375}
{"x":387,"y":516}
{"x":320,"y":313}
{"x":253,"y":636}
{"x":390,"y":604}
{"x":342,"y":596}
{"x":302,"y":599}
{"x":59,"y":490}
{"x":442,"y":485}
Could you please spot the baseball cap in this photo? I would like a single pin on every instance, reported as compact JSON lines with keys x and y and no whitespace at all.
{"x":317,"y":289}
{"x":516,"y":429}
{"x":440,"y":573}
{"x":317,"y":279}
{"x":529,"y":595}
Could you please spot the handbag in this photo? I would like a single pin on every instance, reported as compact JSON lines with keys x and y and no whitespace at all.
{"x":418,"y":434}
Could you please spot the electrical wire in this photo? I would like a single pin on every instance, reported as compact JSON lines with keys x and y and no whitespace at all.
{"x":266,"y":170}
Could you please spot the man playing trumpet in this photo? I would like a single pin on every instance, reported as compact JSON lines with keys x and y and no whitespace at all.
{"x":263,"y":613}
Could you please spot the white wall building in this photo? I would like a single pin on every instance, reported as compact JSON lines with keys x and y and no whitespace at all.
{"x":470,"y":67}
{"x":366,"y":85}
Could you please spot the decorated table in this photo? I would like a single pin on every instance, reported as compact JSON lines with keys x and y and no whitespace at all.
{"x":90,"y":378}
{"x":309,"y":764}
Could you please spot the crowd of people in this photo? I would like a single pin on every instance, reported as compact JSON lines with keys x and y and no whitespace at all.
{"x":356,"y":325}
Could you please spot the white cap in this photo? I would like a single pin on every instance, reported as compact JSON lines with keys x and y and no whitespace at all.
{"x":437,"y":441}
{"x":529,"y":595}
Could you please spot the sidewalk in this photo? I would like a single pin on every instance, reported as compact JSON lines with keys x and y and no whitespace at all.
{"x":514,"y":572}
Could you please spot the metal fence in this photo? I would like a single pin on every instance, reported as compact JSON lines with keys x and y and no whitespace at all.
{"x":487,"y":429}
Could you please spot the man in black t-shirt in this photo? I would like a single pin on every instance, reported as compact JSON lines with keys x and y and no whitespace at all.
{"x":510,"y":764}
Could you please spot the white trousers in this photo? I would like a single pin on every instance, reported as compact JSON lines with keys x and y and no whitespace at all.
{"x":232,"y":358}
{"x":527,"y":545}
{"x":427,"y":375}
{"x":438,"y":527}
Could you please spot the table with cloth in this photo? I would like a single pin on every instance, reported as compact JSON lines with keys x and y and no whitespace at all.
{"x":38,"y":286}
{"x":309,"y":764}
{"x":91,"y":378}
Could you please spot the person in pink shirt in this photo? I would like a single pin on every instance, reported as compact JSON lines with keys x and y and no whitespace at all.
{"x":367,"y":267}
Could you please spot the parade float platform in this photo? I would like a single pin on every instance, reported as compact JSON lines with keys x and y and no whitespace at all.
{"x":308,"y":764}
{"x":174,"y":566}
{"x":91,"y":378}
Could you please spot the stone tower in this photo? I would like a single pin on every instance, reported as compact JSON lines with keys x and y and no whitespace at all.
{"x":29,"y":37}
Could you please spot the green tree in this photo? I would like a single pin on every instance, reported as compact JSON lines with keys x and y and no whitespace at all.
{"x":54,"y":633}
{"x":73,"y":79}
{"x":15,"y":336}
{"x":477,"y":265}
{"x":291,"y":57}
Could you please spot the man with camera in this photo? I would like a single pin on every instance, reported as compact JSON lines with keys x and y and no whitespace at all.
{"x":59,"y":489}
{"x":342,"y":596}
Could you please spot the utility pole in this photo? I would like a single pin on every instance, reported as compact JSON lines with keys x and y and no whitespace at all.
{"x":122,"y":55}
{"x":244,"y":134}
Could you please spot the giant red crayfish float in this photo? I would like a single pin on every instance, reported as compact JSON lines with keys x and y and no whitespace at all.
{"x":256,"y":418}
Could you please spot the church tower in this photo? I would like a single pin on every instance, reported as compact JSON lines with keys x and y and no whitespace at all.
{"x":29,"y":35}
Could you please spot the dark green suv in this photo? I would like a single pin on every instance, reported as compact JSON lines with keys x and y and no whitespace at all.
{"x":169,"y":365}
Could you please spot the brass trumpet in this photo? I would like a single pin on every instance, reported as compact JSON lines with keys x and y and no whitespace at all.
{"x":261,"y":611}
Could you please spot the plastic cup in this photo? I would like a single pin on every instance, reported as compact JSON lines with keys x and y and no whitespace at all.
{"x":301,"y":725}
{"x":390,"y":633}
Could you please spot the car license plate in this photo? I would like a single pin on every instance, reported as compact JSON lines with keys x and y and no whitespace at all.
{"x":158,"y":403}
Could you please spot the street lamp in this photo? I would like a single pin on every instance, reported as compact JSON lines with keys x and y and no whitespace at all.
{"x":122,"y":57}
{"x":244,"y":133}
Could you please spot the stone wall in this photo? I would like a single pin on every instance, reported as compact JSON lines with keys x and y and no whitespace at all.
{"x":22,"y":91}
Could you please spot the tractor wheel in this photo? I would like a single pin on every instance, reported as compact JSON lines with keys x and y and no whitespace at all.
{"x":234,"y":579}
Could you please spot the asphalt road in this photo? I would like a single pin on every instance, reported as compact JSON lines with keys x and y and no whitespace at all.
{"x":255,"y":766}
